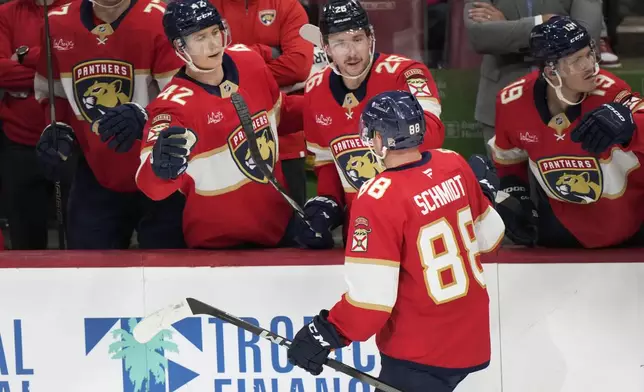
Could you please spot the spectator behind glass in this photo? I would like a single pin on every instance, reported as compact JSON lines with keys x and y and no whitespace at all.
{"x":26,"y":191}
{"x":437,"y":12}
{"x":275,"y":24}
{"x":500,"y":30}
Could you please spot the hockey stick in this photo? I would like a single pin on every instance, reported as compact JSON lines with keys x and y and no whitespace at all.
{"x":312,"y":34}
{"x":151,"y":325}
{"x":247,"y":126}
{"x":62,"y":242}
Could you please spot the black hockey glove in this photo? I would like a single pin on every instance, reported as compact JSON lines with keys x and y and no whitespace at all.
{"x":121,"y":126}
{"x":54,"y":147}
{"x":608,"y":125}
{"x":170,"y":152}
{"x":518,"y":212}
{"x":323,"y":214}
{"x":313,"y":344}
{"x":485,"y":173}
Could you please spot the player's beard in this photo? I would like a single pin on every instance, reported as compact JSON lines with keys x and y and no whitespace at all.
{"x":354,"y":66}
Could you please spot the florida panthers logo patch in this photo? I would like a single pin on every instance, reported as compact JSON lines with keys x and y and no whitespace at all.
{"x":360,"y":238}
{"x":267,"y":17}
{"x":354,"y":159}
{"x":238,"y":145}
{"x":572,"y":179}
{"x":100,"y":85}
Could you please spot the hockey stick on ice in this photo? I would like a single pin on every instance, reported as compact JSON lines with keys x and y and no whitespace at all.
{"x":151,"y":325}
{"x":62,"y":242}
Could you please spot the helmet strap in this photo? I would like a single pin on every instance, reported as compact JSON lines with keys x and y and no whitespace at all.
{"x":183,"y":55}
{"x":380,"y":157}
{"x":558,"y":89}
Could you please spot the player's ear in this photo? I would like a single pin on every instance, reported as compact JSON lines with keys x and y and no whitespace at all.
{"x":179,"y":45}
{"x":377,"y":137}
{"x":549,"y":71}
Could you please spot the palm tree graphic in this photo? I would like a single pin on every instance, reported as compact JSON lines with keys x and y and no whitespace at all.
{"x":142,"y":360}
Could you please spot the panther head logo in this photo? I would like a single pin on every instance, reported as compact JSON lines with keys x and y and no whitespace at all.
{"x":362,"y":167}
{"x":266,"y":148}
{"x":578,"y":185}
{"x":105,"y":95}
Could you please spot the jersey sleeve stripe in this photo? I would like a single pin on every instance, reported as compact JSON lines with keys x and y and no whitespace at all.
{"x":366,"y":306}
{"x":372,"y":284}
{"x":274,"y":114}
{"x":165,"y":75}
{"x":489,"y":230}
{"x":163,"y":81}
{"x":507,"y":157}
{"x":41,"y":88}
{"x":322,"y":154}
{"x":431,"y":105}
{"x":364,"y":260}
{"x":202,"y":166}
{"x":145,"y":155}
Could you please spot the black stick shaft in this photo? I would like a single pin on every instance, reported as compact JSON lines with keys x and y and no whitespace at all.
{"x":199,"y":307}
{"x":62,"y":243}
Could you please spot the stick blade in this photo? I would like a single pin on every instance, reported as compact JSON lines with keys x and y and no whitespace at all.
{"x":154,"y":323}
{"x":312,"y":34}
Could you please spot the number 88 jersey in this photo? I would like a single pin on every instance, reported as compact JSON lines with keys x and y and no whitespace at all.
{"x":412,"y":264}
{"x":332,"y":111}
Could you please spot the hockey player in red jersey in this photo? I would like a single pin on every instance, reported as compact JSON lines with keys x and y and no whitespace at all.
{"x":411,"y":260}
{"x":334,"y":99}
{"x":570,"y":187}
{"x":107,"y":53}
{"x":194,"y":142}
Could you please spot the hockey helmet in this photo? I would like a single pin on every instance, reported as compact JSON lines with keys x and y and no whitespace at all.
{"x":397,"y":116}
{"x":343,"y":15}
{"x":185,"y":17}
{"x":557,"y":38}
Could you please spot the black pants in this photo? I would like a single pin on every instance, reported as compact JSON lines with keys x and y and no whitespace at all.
{"x":100,"y":218}
{"x":27,"y":194}
{"x":416,"y":379}
{"x":295,"y":178}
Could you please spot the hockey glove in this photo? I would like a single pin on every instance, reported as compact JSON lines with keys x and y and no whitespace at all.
{"x":518,"y":212}
{"x":121,"y":126}
{"x":485,"y":173}
{"x":169,"y":157}
{"x":323,"y":214}
{"x":54,"y":147}
{"x":313,"y":343}
{"x":608,"y":125}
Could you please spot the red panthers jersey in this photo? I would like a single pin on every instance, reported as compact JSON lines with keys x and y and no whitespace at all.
{"x":412,"y":264}
{"x":332,"y":113}
{"x":596,"y":198}
{"x":228,"y":200}
{"x":97,"y":66}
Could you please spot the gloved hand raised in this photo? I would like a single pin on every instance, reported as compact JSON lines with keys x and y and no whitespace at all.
{"x":121,"y":126}
{"x":170,"y":153}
